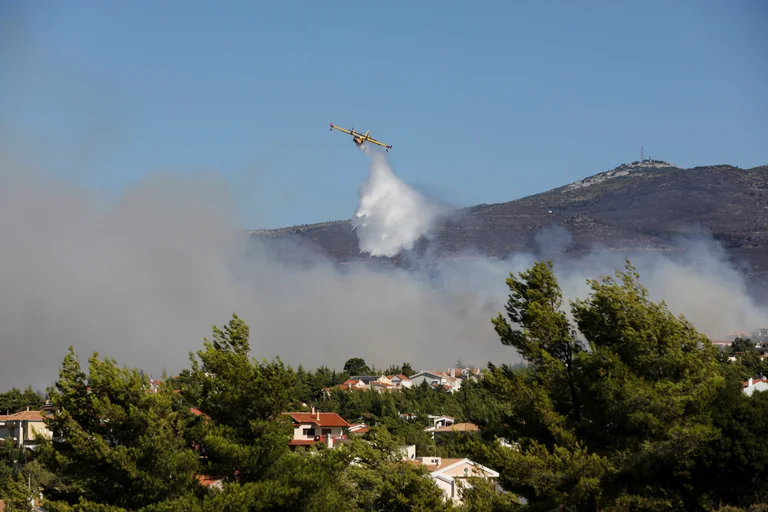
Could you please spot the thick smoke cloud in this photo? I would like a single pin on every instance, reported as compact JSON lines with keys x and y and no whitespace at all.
{"x":143,"y":278}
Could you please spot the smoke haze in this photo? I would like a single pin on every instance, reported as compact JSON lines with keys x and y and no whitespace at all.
{"x":143,"y":278}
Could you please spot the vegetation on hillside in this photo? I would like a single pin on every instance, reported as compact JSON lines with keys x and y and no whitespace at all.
{"x":621,"y":406}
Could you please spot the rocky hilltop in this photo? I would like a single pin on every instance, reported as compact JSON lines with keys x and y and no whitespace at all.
{"x":640,"y":205}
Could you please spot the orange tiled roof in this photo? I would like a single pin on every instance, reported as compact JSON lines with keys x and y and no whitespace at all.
{"x":435,"y":467}
{"x":198,"y":412}
{"x":22,"y":416}
{"x":326,"y":419}
{"x":207,"y":480}
{"x":301,"y":442}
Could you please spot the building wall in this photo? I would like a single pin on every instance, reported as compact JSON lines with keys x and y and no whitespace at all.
{"x":409,"y":452}
{"x":447,"y":488}
{"x":37,"y":426}
{"x":298,"y":433}
{"x":27,"y":431}
{"x":458,"y":471}
{"x":758,"y":386}
{"x":421,"y":378}
{"x":8,"y":430}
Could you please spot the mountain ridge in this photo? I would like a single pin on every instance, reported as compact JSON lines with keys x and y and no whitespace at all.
{"x":642,"y":205}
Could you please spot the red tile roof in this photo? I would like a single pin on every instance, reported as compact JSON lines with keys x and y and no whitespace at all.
{"x":326,"y":419}
{"x":207,"y":480}
{"x":198,"y":412}
{"x":22,"y":416}
{"x":301,"y":442}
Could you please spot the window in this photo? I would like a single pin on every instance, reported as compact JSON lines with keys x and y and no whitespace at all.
{"x":309,"y":431}
{"x":326,"y":432}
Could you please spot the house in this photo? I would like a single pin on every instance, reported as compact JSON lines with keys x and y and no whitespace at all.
{"x":440,"y":421}
{"x":211,"y":482}
{"x":451,"y":429}
{"x":399,"y":381}
{"x":408,"y":452}
{"x":722,"y":344}
{"x":370,"y":379}
{"x":753,"y":385}
{"x":437,"y":379}
{"x":379,"y":383}
{"x":451,"y":475}
{"x":359,"y":429}
{"x":22,"y":426}
{"x":361,"y":383}
{"x":315,"y":426}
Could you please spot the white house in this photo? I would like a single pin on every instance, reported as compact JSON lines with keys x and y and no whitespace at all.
{"x":452,"y":474}
{"x":435,"y":379}
{"x":753,"y":385}
{"x":399,"y":381}
{"x":316,"y":426}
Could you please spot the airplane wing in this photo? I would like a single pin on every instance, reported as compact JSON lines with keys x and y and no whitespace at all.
{"x":379,"y":143}
{"x":340,"y":129}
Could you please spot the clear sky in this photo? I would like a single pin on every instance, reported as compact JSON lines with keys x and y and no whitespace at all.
{"x":482,"y":101}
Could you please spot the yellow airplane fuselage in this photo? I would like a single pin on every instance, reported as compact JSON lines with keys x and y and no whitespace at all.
{"x":359,"y":140}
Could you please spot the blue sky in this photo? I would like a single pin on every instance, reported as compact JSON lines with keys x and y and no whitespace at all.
{"x":483,"y":101}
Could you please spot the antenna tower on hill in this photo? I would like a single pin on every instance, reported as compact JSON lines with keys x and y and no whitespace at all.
{"x":642,"y":154}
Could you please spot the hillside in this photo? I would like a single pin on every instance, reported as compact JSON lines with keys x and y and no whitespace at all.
{"x":642,"y":205}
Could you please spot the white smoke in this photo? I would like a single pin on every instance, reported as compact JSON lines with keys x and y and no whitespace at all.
{"x":143,"y":278}
{"x":391,"y":216}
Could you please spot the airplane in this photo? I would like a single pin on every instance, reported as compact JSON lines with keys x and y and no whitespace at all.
{"x":359,"y":138}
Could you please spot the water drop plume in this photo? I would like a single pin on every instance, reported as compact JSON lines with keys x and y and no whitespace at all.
{"x":391,"y":216}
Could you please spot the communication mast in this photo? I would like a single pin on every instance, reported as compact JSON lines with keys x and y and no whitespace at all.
{"x":642,"y":154}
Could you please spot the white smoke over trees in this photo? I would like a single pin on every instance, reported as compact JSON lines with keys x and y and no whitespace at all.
{"x":143,"y":278}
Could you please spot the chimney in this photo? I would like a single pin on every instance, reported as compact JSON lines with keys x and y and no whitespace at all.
{"x":318,"y":414}
{"x":750,"y":381}
{"x":313,"y":409}
{"x":453,"y":373}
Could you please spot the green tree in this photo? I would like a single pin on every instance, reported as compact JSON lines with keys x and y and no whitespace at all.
{"x":356,"y":366}
{"x":116,"y":443}
{"x":481,"y":495}
{"x":618,"y":424}
{"x":15,"y":400}
{"x":383,"y":481}
{"x":546,"y":338}
{"x":17,"y":495}
{"x":244,"y":398}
